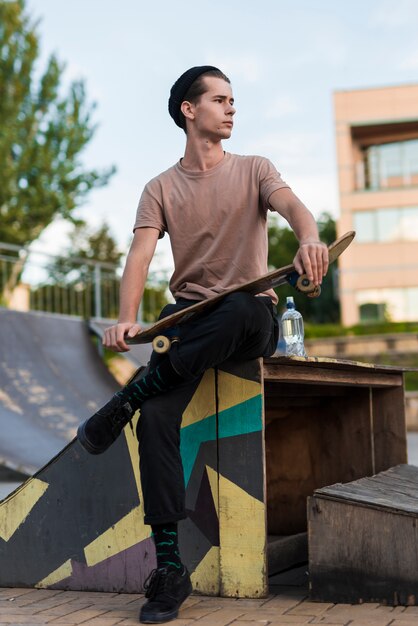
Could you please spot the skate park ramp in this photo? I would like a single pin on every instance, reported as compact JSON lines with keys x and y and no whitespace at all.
{"x":51,"y":379}
{"x":78,"y":523}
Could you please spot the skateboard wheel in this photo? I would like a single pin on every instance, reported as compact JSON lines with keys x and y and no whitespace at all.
{"x":161,"y":344}
{"x":304,"y":285}
{"x":315,"y":293}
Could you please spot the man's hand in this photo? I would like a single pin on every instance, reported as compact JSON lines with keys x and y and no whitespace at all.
{"x":114,"y":337}
{"x":312,"y":256}
{"x":312,"y":259}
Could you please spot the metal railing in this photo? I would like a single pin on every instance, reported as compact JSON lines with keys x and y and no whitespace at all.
{"x":34,"y":280}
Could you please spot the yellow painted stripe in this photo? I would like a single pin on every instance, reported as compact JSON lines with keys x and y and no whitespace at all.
{"x":123,"y":535}
{"x":132,"y":442}
{"x":242,"y":530}
{"x":64,"y":571}
{"x":15,"y":509}
{"x":213,"y":482}
{"x":205,"y":578}
{"x":203,"y":403}
{"x":234,"y":390}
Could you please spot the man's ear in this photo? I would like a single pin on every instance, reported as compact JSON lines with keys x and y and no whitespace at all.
{"x":187,"y":108}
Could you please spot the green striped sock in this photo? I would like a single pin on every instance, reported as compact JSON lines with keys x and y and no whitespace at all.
{"x":154,"y":383}
{"x":166,"y":545}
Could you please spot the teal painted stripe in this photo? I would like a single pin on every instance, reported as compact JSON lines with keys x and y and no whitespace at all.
{"x":190,"y":439}
{"x":240,"y":419}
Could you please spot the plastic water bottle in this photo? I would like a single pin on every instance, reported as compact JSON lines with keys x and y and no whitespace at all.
{"x":292,"y":330}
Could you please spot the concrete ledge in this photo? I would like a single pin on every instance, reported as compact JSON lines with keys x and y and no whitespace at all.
{"x":361,"y":346}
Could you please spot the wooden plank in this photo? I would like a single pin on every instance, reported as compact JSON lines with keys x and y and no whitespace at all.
{"x":334,"y":364}
{"x":319,"y":376}
{"x":286,"y":551}
{"x":360,"y":554}
{"x":274,"y":388}
{"x":396,"y":488}
{"x":308,"y":449}
{"x":280,"y":398}
{"x":389,"y":427}
{"x":200,"y":460}
{"x":242,"y":493}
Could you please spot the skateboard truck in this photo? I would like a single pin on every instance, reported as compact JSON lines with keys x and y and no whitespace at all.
{"x":303,"y":284}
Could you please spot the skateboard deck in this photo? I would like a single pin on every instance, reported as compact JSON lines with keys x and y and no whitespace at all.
{"x":163,"y":332}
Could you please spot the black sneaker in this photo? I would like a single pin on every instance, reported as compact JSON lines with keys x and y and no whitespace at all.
{"x":98,"y":432}
{"x":166,"y":590}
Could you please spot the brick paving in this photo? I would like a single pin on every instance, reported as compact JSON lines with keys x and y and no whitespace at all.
{"x":288,"y":603}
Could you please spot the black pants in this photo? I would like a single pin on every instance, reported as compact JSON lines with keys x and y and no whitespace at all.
{"x":241,"y":327}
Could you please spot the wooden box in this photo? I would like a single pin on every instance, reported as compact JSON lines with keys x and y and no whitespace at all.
{"x":257,"y":438}
{"x":363,"y":539}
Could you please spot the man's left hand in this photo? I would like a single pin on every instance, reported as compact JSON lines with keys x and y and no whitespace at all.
{"x":312,"y":259}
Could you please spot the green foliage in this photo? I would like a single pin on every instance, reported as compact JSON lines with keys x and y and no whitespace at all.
{"x":403,"y":360}
{"x":73,"y":279}
{"x":283,"y":246}
{"x":377,"y":328}
{"x":314,"y":331}
{"x":154,"y":299}
{"x":42,"y":134}
{"x":96,"y":245}
{"x":69,"y":276}
{"x":89,"y":245}
{"x":411,"y":380}
{"x":322,"y":331}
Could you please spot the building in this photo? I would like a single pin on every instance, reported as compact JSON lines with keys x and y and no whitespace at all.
{"x":377,"y":154}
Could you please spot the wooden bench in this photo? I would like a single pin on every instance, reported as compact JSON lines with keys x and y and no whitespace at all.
{"x":363,"y":539}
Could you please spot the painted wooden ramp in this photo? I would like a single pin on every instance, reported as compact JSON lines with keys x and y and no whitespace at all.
{"x":78,"y":522}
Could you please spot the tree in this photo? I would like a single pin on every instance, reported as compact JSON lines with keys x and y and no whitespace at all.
{"x":42,"y":135}
{"x":85,"y":280}
{"x":283,"y":246}
{"x":87,"y":245}
{"x":71,"y":287}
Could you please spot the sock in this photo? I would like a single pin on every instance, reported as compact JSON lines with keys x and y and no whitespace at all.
{"x":166,"y":546}
{"x":155,"y":382}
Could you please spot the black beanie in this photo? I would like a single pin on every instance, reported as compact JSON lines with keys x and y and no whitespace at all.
{"x":181,"y":87}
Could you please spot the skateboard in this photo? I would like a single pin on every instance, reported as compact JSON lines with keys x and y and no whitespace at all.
{"x":164,"y":332}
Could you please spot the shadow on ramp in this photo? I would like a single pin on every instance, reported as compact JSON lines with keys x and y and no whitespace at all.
{"x":51,"y":378}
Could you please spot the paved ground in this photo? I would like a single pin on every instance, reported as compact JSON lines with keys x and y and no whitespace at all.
{"x":286,"y":604}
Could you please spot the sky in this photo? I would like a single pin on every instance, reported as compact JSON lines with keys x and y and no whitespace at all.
{"x":285,"y":59}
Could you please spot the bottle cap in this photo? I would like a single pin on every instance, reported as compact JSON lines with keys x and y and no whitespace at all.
{"x":289,"y":299}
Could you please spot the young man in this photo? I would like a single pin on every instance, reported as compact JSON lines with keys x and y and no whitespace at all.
{"x":214,"y":206}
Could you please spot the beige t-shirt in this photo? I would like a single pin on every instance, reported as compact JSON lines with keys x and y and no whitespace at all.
{"x":216,"y":220}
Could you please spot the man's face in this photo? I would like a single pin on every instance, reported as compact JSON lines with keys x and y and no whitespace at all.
{"x":214,"y":111}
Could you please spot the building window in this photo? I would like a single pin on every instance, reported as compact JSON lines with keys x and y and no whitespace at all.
{"x":390,"y":165}
{"x":373,"y":312}
{"x":395,"y":305}
{"x":383,"y":225}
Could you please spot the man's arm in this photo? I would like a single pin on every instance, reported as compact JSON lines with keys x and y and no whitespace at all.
{"x":312,"y":256}
{"x":132,"y":288}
